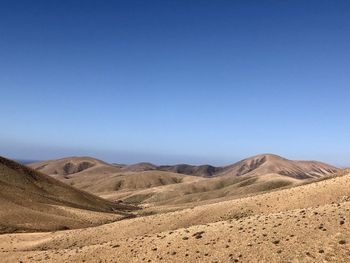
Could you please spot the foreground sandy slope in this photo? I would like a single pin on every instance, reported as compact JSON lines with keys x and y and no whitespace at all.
{"x":308,"y":223}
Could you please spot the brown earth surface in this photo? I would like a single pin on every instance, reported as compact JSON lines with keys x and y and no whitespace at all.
{"x":261,"y":215}
{"x":32,"y":201}
{"x":148,"y":184}
{"x":306,"y":223}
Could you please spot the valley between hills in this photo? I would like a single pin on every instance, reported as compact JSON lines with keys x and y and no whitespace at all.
{"x":261,"y":209}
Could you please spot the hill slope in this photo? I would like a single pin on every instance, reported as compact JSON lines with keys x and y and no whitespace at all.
{"x":31,"y":201}
{"x":100,"y":177}
{"x":69,"y":165}
{"x":204,"y":190}
{"x":269,"y":163}
{"x":308,"y":223}
{"x":103,"y":183}
{"x":200,"y":170}
{"x":256,"y":165}
{"x":160,"y":185}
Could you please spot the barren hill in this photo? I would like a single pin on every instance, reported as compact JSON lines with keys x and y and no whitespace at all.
{"x":269,"y":163}
{"x":30,"y":200}
{"x":100,"y":177}
{"x":202,"y":190}
{"x":256,"y":165}
{"x":150,"y":184}
{"x":308,"y":223}
{"x":139,"y":167}
{"x":104,"y":183}
{"x":200,"y":170}
{"x":68,"y":165}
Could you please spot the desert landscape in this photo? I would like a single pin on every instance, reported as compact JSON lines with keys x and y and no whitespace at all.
{"x":174,"y":131}
{"x":261,"y":209}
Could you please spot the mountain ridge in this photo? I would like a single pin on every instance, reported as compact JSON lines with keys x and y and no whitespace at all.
{"x":272,"y":164}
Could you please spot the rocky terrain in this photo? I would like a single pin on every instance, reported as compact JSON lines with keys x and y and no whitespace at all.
{"x":292,"y":220}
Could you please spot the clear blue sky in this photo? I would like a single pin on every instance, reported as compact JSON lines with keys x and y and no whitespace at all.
{"x":175,"y":81}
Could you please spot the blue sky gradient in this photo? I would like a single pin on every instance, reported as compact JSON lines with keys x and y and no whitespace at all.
{"x":175,"y":81}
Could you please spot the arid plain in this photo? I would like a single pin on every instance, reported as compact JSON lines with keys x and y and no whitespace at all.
{"x":262,"y":209}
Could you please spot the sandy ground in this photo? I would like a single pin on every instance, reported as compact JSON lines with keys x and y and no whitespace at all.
{"x":308,"y":223}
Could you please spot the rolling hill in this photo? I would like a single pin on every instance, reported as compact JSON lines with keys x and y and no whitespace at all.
{"x":32,"y":201}
{"x":256,"y":165}
{"x":306,"y":223}
{"x":196,"y":170}
{"x":100,"y":177}
{"x":69,"y":165}
{"x":204,"y":190}
{"x":182,"y":185}
{"x":270,"y":163}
